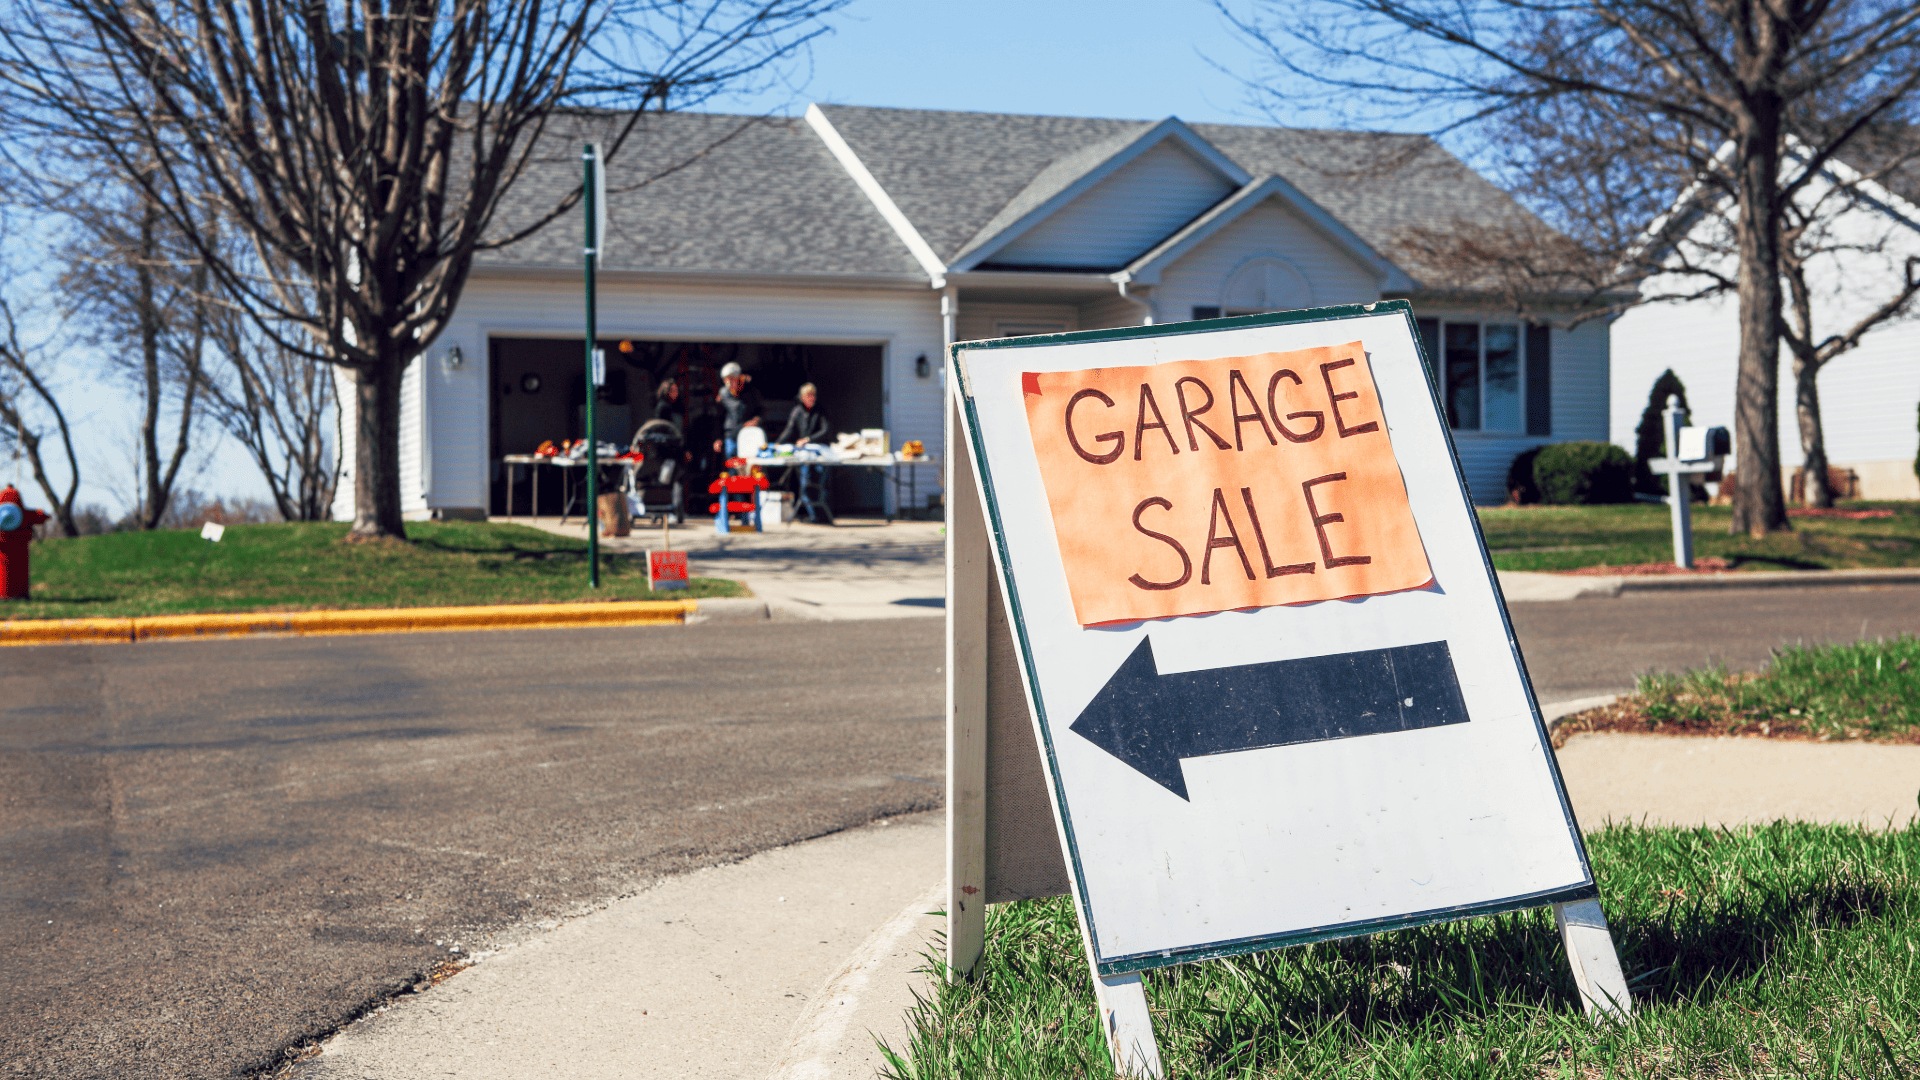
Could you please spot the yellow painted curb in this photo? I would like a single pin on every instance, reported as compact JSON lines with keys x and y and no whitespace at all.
{"x":65,"y":631}
{"x":382,"y":621}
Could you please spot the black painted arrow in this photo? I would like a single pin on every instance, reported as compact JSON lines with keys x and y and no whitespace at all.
{"x":1150,"y":721}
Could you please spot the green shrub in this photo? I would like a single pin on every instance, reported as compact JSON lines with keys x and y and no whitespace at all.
{"x":1650,"y":438}
{"x":1520,"y":486}
{"x":1583,"y":474}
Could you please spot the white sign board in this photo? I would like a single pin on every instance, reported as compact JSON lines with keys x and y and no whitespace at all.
{"x":1268,"y":664}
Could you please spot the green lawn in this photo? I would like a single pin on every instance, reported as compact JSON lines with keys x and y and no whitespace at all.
{"x":1866,"y":690}
{"x":1570,"y":537}
{"x":305,"y":567}
{"x":1786,"y":950}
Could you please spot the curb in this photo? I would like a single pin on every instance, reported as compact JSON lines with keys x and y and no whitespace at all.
{"x":1555,"y":713}
{"x":379,"y":621}
{"x":1770,"y":579}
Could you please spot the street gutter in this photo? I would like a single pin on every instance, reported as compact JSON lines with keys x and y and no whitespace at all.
{"x":372,"y":621}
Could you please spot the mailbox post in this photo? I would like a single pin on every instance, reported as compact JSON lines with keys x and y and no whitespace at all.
{"x":1694,"y":452}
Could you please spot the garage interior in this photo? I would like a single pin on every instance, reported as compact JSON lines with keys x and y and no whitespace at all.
{"x":538,"y":393}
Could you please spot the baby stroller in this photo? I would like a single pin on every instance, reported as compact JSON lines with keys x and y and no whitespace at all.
{"x":654,"y":486}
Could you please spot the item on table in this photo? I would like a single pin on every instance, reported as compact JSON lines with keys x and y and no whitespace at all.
{"x":913,"y":448}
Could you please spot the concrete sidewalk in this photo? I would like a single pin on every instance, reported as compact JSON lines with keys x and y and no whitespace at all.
{"x":867,"y":569}
{"x":855,"y":569}
{"x":791,"y":964}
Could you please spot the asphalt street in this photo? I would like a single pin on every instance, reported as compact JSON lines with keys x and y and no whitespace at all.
{"x":216,"y":852}
{"x":1580,"y":648}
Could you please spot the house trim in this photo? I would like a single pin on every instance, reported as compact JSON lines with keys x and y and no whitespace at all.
{"x":863,"y":178}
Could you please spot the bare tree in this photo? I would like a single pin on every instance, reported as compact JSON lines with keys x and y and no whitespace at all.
{"x":30,"y":413}
{"x":365,"y":147}
{"x":1837,"y":235}
{"x":137,"y":282}
{"x":1612,"y":114}
{"x":280,"y":406}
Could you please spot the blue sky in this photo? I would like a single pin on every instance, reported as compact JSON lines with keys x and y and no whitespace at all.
{"x":1134,"y":59}
{"x":1131,"y":59}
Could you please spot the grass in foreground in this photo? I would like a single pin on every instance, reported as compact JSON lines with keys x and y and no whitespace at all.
{"x":1866,"y":690}
{"x":303,"y":567}
{"x":1785,"y":950}
{"x":1573,"y":537}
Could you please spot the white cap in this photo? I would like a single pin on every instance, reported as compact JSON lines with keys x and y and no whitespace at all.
{"x":730,"y":369}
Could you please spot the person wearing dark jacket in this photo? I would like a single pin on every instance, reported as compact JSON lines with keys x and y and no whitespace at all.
{"x":807,"y":426}
{"x":806,"y":423}
{"x":740,"y":403}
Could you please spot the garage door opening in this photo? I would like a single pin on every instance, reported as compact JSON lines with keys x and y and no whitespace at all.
{"x":539,"y":395}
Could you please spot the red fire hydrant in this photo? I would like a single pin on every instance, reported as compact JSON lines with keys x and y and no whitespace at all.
{"x":16,"y":528}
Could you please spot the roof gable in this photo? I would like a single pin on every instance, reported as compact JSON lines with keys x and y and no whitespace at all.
{"x":1146,"y":269}
{"x":951,"y":173}
{"x":1103,"y":204}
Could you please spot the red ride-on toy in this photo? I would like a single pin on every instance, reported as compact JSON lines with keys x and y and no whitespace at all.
{"x":728,"y":487}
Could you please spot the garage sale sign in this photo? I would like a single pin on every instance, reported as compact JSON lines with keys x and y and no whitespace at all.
{"x":1268,"y":665}
{"x":1279,"y":466}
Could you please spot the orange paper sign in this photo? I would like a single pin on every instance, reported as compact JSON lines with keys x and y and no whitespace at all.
{"x":1207,"y":485}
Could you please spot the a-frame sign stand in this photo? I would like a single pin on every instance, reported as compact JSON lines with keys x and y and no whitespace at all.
{"x":1105,"y":752}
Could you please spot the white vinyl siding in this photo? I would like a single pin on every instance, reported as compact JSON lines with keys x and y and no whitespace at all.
{"x":1868,"y":395}
{"x":1269,"y":231}
{"x":1119,"y":218}
{"x":1112,"y":310}
{"x":982,"y":320}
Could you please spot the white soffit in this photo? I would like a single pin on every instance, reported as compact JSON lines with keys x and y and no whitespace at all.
{"x":1171,"y":129}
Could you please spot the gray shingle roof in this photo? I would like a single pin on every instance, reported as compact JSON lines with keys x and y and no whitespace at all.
{"x":1378,"y":185}
{"x":764,"y":195}
{"x":751,"y":195}
{"x":952,"y":172}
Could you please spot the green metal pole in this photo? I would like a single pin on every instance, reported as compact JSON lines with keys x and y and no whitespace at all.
{"x":593,"y":443}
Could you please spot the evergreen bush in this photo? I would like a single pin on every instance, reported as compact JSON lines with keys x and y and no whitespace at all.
{"x":1520,"y":486}
{"x":1650,"y":438}
{"x":1583,"y":474}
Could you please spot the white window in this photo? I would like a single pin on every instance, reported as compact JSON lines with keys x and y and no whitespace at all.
{"x":1492,"y":376}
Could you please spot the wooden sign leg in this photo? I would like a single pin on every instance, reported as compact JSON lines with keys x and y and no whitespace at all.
{"x":1128,"y":1024}
{"x":967,"y":570}
{"x":1596,"y":966}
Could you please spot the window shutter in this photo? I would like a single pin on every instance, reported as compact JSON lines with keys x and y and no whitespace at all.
{"x":1430,"y":345}
{"x":1539,"y":380}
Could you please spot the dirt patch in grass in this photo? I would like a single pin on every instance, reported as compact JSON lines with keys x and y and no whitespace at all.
{"x":1867,"y":690}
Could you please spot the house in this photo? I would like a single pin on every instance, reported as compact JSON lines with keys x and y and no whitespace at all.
{"x":850,"y":246}
{"x":1868,"y":395}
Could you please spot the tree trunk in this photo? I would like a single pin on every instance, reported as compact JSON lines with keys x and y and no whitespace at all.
{"x":376,"y":452}
{"x":153,"y":504}
{"x":1759,"y":506}
{"x":1816,"y":489}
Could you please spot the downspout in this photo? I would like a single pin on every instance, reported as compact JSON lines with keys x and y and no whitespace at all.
{"x":949,"y":317}
{"x":1145,"y":305}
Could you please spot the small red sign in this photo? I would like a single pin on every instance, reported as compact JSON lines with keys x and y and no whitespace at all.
{"x":667,"y":569}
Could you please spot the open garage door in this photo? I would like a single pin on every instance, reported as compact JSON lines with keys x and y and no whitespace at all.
{"x":539,"y":392}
